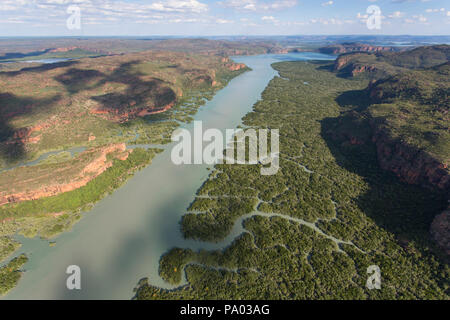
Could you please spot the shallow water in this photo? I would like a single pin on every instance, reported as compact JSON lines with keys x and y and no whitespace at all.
{"x":48,"y":61}
{"x":45,"y":156}
{"x":44,"y":61}
{"x":123,"y":237}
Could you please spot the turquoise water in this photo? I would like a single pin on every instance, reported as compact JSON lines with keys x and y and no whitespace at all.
{"x":123,"y":237}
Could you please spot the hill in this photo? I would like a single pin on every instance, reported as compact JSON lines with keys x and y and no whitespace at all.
{"x":348,"y":47}
{"x":405,"y":111}
{"x":382,"y":64}
{"x":58,"y":105}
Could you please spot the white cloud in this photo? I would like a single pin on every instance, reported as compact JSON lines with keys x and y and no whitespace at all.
{"x":53,"y":12}
{"x":256,"y":5}
{"x":328,"y":3}
{"x":362,"y":16}
{"x":178,"y":6}
{"x":435,"y":10}
{"x":418,"y":18}
{"x":268,"y":18}
{"x":224,"y":21}
{"x":396,"y":14}
{"x":331,"y":21}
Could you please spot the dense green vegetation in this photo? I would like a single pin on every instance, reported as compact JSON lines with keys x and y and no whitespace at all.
{"x":316,"y":226}
{"x":7,"y":246}
{"x":10,"y":274}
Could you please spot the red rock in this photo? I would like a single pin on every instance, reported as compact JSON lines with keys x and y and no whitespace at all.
{"x":92,"y":170}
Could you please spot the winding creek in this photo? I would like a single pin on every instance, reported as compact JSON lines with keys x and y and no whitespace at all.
{"x":123,"y":237}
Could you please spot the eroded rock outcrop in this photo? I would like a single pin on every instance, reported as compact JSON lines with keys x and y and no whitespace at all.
{"x":417,"y":167}
{"x":67,"y":177}
{"x":354,"y":47}
{"x":123,"y":116}
{"x":409,"y":164}
{"x":236,"y":66}
{"x":348,"y":65}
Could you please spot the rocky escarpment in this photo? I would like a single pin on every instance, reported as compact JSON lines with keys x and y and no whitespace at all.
{"x":354,"y":64}
{"x":31,"y":183}
{"x":353,"y":47}
{"x":379,"y":64}
{"x":124,"y":116}
{"x":404,"y":104}
{"x":409,"y":164}
{"x":342,"y":61}
{"x":417,"y":167}
{"x":236,"y":66}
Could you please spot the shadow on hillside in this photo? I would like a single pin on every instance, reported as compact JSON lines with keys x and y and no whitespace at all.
{"x":41,"y":68}
{"x":354,"y":99}
{"x":402,"y":209}
{"x":19,"y":55}
{"x":76,"y":80}
{"x":138,"y":93}
{"x":12,"y":139}
{"x":324,"y":65}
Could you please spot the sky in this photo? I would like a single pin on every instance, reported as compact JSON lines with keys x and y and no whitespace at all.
{"x":222,"y":17}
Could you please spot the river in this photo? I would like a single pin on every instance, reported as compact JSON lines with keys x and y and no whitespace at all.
{"x":123,"y":237}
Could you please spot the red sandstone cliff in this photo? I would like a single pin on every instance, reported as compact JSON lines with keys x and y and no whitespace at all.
{"x":417,"y":167}
{"x":411,"y":165}
{"x":123,"y":116}
{"x":236,"y":66}
{"x":354,"y":47}
{"x":352,"y":67}
{"x":31,"y":188}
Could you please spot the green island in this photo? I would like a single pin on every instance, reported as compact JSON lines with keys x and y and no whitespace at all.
{"x":333,"y":210}
{"x":10,"y":274}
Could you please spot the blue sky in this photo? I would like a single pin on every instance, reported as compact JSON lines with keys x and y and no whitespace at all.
{"x":222,"y":17}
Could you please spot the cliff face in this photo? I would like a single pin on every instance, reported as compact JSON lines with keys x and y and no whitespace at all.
{"x":351,"y":66}
{"x":408,"y":101}
{"x":409,"y":164}
{"x":236,"y":66}
{"x":123,"y":116}
{"x":388,"y":63}
{"x":353,"y":47}
{"x":417,"y":167}
{"x":341,"y":61}
{"x":33,"y":188}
